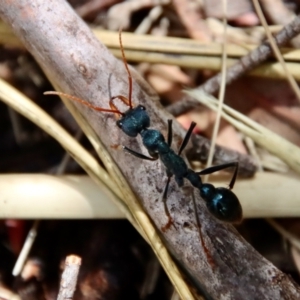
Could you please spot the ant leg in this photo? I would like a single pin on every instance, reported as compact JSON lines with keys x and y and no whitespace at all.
{"x":139,"y":155}
{"x":214,"y":169}
{"x":187,"y":137}
{"x":170,"y":132}
{"x":167,"y":212}
{"x":206,"y":251}
{"x":165,"y":195}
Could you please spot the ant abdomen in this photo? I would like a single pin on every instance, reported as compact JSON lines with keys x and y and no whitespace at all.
{"x":222,"y":203}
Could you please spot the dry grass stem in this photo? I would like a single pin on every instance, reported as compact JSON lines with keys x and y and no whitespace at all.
{"x":294,"y":240}
{"x":221,"y":92}
{"x":6,"y":294}
{"x":275,"y":48}
{"x":30,"y":110}
{"x":64,"y":197}
{"x":181,"y":52}
{"x":264,"y":137}
{"x":25,"y":249}
{"x":78,"y":197}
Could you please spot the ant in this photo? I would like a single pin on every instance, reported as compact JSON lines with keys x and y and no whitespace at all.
{"x":221,"y":202}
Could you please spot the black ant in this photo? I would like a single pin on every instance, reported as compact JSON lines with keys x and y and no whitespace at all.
{"x":221,"y":202}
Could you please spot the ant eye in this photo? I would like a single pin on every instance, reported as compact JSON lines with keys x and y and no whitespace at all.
{"x":119,"y":124}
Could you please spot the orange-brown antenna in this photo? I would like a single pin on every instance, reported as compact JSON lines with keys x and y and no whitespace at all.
{"x":127,"y":69}
{"x":73,"y":98}
{"x":114,"y":109}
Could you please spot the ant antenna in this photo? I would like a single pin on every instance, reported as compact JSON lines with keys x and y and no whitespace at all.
{"x":73,"y":98}
{"x":127,"y":69}
{"x":114,"y":109}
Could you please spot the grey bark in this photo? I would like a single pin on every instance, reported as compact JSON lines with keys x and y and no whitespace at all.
{"x":81,"y":65}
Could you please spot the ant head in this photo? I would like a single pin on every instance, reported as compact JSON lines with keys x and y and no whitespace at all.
{"x":134,"y":121}
{"x":222,"y":203}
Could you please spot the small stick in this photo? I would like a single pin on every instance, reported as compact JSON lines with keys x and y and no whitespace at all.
{"x":69,"y":278}
{"x":200,"y":150}
{"x":244,"y":65}
{"x":26,"y":249}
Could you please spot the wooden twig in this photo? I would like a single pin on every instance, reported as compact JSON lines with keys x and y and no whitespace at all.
{"x":254,"y":58}
{"x":244,"y":65}
{"x":78,"y":64}
{"x":69,"y":278}
{"x":200,"y":150}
